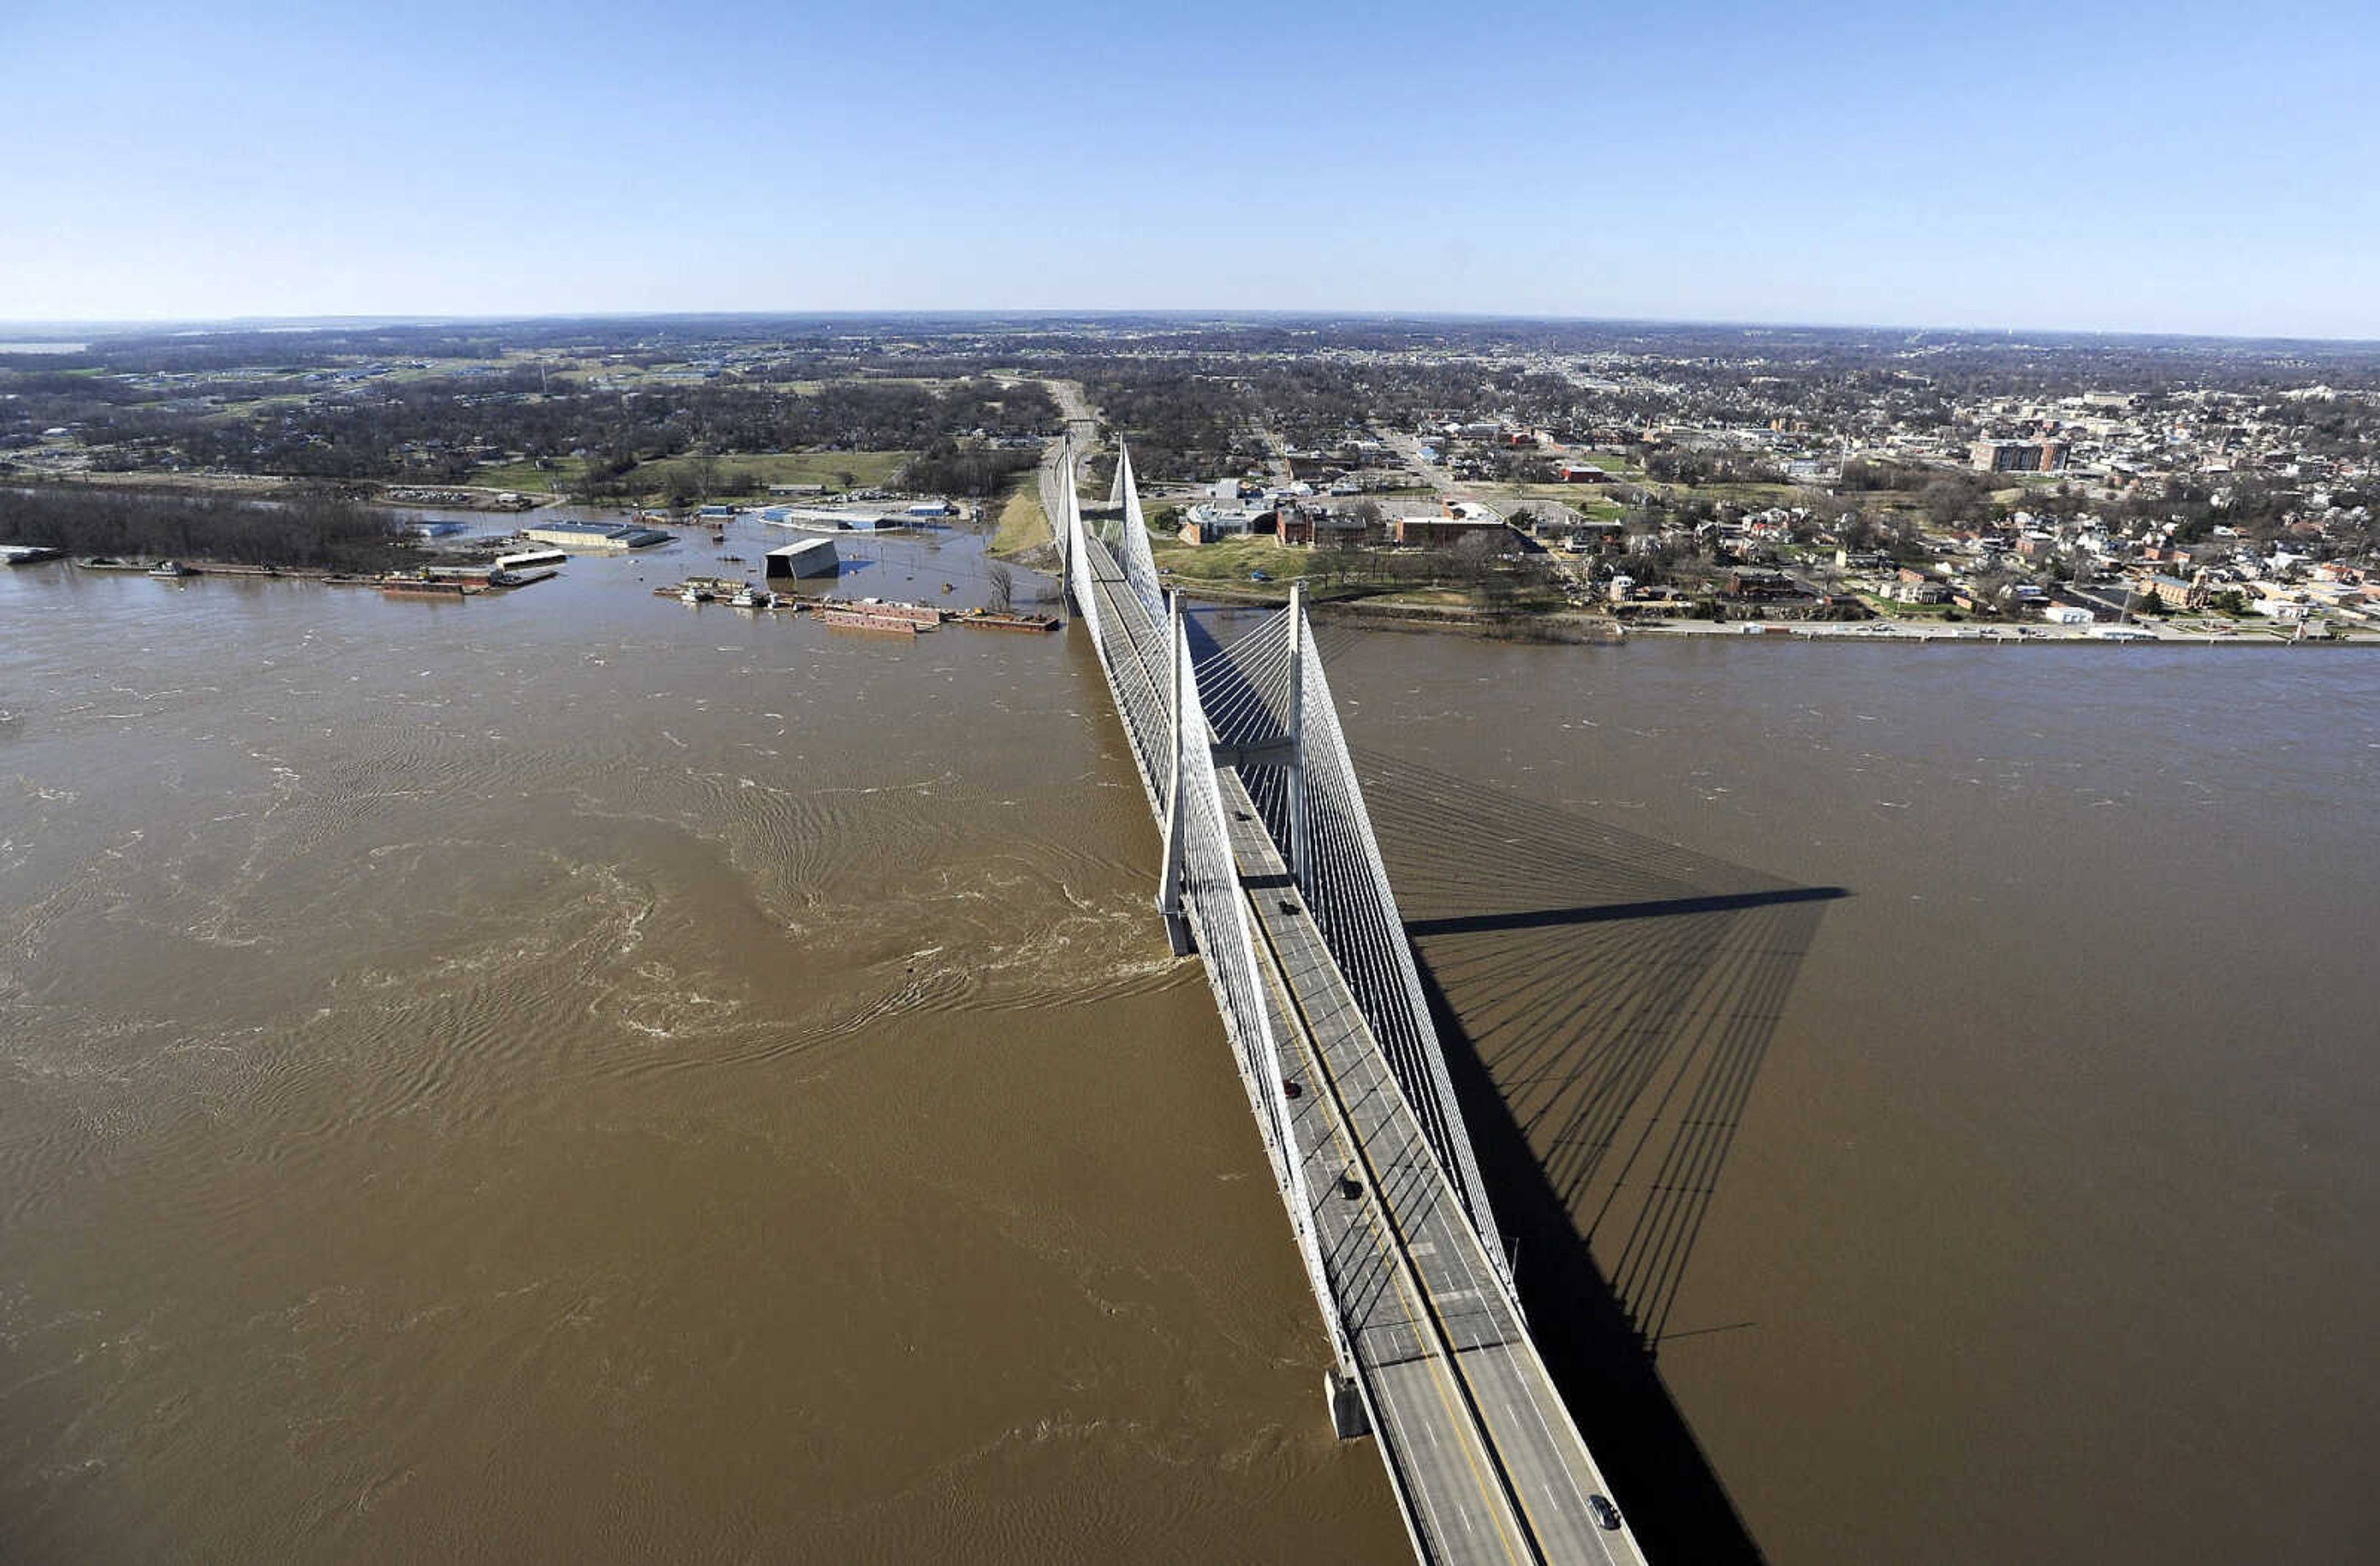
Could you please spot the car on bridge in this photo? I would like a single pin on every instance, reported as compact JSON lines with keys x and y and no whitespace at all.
{"x":1606,"y":1514}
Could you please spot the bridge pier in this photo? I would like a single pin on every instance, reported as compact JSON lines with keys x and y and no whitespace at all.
{"x":1348,"y":1418}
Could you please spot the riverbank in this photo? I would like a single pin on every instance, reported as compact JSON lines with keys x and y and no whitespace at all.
{"x":313,"y":530}
{"x":1933,"y":631}
{"x":1573,"y":626}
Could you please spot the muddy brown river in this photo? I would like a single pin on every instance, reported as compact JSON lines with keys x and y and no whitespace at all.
{"x":573,"y":1075}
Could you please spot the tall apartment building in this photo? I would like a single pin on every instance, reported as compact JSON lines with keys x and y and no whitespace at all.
{"x":2018,"y":457}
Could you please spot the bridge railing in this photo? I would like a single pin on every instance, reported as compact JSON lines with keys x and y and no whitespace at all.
{"x":1274,"y":708}
{"x":1347,"y":886}
{"x":1218,"y":906}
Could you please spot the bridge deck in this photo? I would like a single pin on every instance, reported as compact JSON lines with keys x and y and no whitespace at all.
{"x":1488,"y":1458}
{"x":1485,"y":1459}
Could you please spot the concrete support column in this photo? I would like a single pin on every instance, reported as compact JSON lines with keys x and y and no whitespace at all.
{"x":1347,"y":1417}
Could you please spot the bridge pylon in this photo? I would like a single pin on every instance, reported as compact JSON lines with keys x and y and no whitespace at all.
{"x":1169,"y":886}
{"x":1296,"y":726}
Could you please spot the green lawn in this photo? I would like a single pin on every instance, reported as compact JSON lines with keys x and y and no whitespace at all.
{"x":1231,"y":560}
{"x":1590,"y":500}
{"x":1740,"y":494}
{"x":1619,"y":466}
{"x":867,"y":468}
{"x":528,"y":477}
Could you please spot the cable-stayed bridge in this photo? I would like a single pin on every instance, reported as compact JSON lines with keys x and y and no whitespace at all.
{"x":1272,"y":875}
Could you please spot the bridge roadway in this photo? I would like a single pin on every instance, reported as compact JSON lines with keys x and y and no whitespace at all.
{"x":1485,"y":1460}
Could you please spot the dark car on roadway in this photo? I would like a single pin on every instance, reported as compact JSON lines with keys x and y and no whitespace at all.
{"x":1606,"y":1514}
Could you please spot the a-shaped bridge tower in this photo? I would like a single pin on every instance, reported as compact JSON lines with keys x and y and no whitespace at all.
{"x":1272,"y":875}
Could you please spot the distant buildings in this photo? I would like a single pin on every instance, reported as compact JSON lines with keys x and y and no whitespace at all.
{"x":1439,"y":530}
{"x":1313,"y":528}
{"x":1209,"y":520}
{"x":2018,"y":457}
{"x":595,"y":536}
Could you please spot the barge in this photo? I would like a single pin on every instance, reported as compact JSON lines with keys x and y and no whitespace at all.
{"x":859,"y":618}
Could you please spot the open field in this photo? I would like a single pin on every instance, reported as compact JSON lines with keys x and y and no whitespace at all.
{"x":528,"y":477}
{"x":1736,"y":494}
{"x":1592,"y":502}
{"x":1231,"y":560}
{"x":1023,"y":525}
{"x":1620,"y":468}
{"x":867,"y":470}
{"x":864,"y":469}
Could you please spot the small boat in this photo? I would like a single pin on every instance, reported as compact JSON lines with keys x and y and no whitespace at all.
{"x":169,"y":569}
{"x":751,"y":597}
{"x":692,"y":595}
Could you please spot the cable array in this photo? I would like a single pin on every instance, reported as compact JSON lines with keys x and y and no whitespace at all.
{"x":1346,"y":886}
{"x":1245,"y":685}
{"x":1248,"y":684}
{"x":1139,"y":563}
{"x":1212,"y":893}
{"x":1264,"y":688}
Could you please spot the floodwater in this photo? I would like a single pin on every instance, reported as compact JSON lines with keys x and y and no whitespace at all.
{"x":575,"y":1075}
{"x":1974,"y":1115}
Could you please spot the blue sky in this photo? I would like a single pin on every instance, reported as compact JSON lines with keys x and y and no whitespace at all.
{"x":2120,"y":167}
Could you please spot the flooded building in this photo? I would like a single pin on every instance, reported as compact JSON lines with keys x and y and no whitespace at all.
{"x":811,"y":557}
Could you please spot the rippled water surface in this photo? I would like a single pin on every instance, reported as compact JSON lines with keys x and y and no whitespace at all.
{"x":571,"y":1076}
{"x":1978,"y":1109}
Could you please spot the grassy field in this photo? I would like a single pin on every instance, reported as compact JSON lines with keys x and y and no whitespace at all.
{"x":1231,"y":560}
{"x":1022,"y":523}
{"x":867,"y":470}
{"x":528,"y":478}
{"x":1739,"y":495}
{"x":1619,"y":466}
{"x":1590,"y":502}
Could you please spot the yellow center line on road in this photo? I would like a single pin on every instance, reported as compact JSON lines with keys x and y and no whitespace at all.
{"x":1500,"y":1496}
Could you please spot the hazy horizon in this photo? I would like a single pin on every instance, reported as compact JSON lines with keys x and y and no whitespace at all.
{"x":63,"y":329}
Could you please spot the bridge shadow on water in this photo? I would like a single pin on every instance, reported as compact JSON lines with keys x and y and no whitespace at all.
{"x":1605,"y":1001}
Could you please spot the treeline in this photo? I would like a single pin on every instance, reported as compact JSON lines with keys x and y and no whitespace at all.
{"x":1863,"y":474}
{"x":950,"y":468}
{"x":1184,"y":419}
{"x":443,"y":429}
{"x":320,"y":531}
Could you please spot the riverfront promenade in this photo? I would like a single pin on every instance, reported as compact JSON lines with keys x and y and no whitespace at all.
{"x":1271,"y":875}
